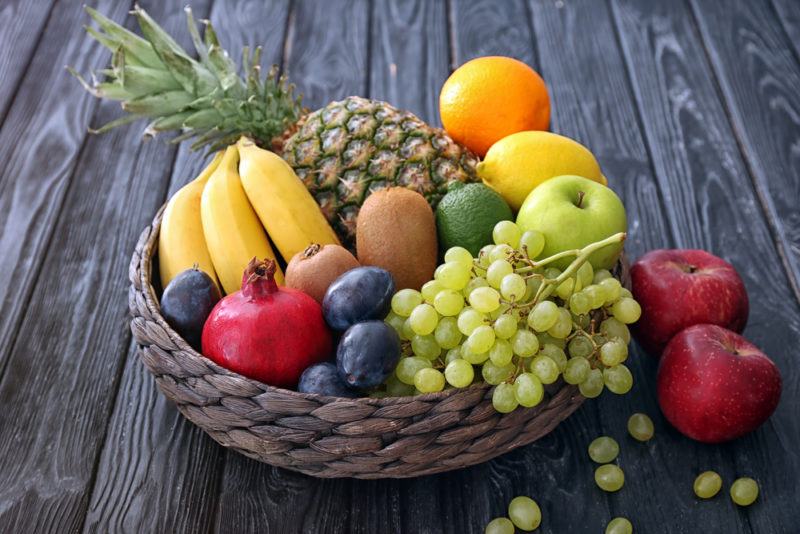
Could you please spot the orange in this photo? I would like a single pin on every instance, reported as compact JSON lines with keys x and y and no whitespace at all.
{"x":488,"y":98}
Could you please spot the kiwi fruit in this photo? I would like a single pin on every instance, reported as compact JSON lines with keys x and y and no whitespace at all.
{"x":314,"y":269}
{"x":396,"y":230}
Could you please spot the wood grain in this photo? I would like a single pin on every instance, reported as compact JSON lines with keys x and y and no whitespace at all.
{"x":593,"y":102}
{"x":789,"y":15}
{"x":759,"y":75}
{"x":40,"y":141}
{"x":21,"y":25}
{"x":409,"y":57}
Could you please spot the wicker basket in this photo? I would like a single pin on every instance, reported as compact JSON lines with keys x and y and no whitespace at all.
{"x":325,"y":436}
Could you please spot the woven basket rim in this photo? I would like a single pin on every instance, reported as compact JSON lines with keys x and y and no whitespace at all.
{"x":153,"y":306}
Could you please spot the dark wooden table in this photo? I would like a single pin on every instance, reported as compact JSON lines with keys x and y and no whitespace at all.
{"x":692,"y":107}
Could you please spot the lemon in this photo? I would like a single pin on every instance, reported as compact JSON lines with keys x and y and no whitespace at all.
{"x":516,"y":164}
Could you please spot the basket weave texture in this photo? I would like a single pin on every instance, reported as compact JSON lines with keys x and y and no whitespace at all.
{"x":324,"y":436}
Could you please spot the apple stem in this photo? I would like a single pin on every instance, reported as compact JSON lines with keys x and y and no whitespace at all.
{"x":581,"y":194}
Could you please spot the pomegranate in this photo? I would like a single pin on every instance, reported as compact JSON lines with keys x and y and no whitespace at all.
{"x":265,"y":332}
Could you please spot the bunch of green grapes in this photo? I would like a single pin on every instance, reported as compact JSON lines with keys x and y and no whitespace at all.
{"x":515,"y":322}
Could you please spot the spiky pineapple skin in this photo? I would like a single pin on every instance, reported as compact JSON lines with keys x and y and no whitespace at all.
{"x":353,"y":147}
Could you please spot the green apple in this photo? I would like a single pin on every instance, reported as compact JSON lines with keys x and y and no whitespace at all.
{"x":573,"y":212}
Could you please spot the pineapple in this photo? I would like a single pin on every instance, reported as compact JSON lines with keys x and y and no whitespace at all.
{"x":342,"y":152}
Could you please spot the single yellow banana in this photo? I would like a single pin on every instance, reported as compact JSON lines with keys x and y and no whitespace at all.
{"x":181,"y":243}
{"x":287,"y":210}
{"x":233,"y":232}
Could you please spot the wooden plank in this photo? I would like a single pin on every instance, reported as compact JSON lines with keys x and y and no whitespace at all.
{"x":758,"y":76}
{"x":40,"y":142}
{"x":695,"y":152}
{"x":409,"y":76}
{"x":789,"y":15}
{"x":21,"y":25}
{"x":592,"y":102}
{"x":326,"y":56}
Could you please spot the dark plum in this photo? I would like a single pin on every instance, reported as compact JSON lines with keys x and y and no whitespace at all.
{"x":368,"y":352}
{"x":323,"y":379}
{"x":360,"y":294}
{"x":187,"y":302}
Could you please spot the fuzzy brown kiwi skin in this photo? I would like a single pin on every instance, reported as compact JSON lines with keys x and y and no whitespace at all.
{"x":314,"y":269}
{"x":396,"y":230}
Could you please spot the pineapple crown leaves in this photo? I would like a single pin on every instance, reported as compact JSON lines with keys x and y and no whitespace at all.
{"x":204,"y":98}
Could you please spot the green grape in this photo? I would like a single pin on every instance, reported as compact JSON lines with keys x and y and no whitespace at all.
{"x":612,"y":328}
{"x":603,"y":450}
{"x":423,"y":319}
{"x":429,"y":380}
{"x":580,"y":303}
{"x":600,"y":275}
{"x":513,"y":287}
{"x":566,"y":288}
{"x":405,"y":300}
{"x":625,"y":292}
{"x":470,"y":319}
{"x":448,"y":302}
{"x":613,"y":352}
{"x":481,"y":339}
{"x":580,"y":347}
{"x":396,"y":322}
{"x":506,"y":232}
{"x":408,"y":332}
{"x":496,"y":271}
{"x":474,"y":283}
{"x":532,"y":286}
{"x":453,"y":275}
{"x":563,"y":325}
{"x":532,"y":242}
{"x":640,"y":427}
{"x":459,"y":373}
{"x":524,"y":513}
{"x":528,"y":389}
{"x":596,"y":294}
{"x":500,"y":252}
{"x":475,"y":358}
{"x":585,"y":274}
{"x":447,"y":334}
{"x":551,"y":273}
{"x":501,"y":353}
{"x":545,"y":338}
{"x":452,"y":354}
{"x":484,"y":256}
{"x":555,"y":353}
{"x":495,"y":374}
{"x":593,"y":385}
{"x":577,"y":370}
{"x":458,"y":255}
{"x":505,"y":326}
{"x":707,"y":484}
{"x":524,"y":343}
{"x":618,"y":379}
{"x":582,"y":321}
{"x":744,"y":491}
{"x":609,"y":477}
{"x":612,"y":288}
{"x":543,"y":316}
{"x":503,"y":308}
{"x":619,"y":525}
{"x":499,"y":525}
{"x":626,"y":310}
{"x":545,"y":368}
{"x":484,"y":299}
{"x":426,"y":347}
{"x":430,"y":290}
{"x":503,"y":398}
{"x":407,"y":368}
{"x":599,"y":339}
{"x":396,"y":388}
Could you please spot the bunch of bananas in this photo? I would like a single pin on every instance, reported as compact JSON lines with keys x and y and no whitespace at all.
{"x":227,"y":215}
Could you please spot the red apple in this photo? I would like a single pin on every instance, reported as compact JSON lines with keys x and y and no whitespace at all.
{"x":679,"y":288}
{"x":714,"y":385}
